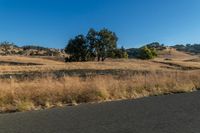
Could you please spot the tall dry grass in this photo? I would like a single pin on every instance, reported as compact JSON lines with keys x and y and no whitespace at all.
{"x":47,"y":92}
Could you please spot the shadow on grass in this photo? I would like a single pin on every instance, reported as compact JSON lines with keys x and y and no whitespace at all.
{"x":74,"y":72}
{"x":17,"y":63}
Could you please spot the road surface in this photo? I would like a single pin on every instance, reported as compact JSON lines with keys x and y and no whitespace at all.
{"x":177,"y":113}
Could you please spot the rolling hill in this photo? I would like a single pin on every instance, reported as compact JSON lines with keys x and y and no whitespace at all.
{"x":29,"y":50}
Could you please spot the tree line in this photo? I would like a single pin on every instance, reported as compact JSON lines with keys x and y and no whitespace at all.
{"x":96,"y":45}
{"x":190,"y":48}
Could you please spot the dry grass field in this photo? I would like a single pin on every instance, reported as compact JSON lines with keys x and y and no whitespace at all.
{"x":81,"y":82}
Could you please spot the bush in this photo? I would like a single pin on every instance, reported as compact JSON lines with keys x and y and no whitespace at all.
{"x":25,"y":106}
{"x":147,"y":53}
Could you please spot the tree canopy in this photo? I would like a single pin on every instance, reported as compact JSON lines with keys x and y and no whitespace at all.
{"x":77,"y":48}
{"x":95,"y":45}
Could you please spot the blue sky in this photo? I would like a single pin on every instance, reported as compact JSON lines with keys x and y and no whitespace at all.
{"x":52,"y":23}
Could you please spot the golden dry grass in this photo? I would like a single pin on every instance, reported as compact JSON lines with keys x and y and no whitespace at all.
{"x":178,"y":58}
{"x":51,"y":65}
{"x":175,"y":55}
{"x":153,"y":77}
{"x":180,"y":63}
{"x":48,"y":92}
{"x":29,"y":59}
{"x":131,"y":64}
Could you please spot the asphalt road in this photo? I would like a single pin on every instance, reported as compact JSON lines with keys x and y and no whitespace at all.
{"x":177,"y":113}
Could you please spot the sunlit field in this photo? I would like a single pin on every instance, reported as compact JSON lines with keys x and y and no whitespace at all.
{"x":48,"y":83}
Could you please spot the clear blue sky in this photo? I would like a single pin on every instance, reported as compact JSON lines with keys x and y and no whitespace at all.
{"x":51,"y":23}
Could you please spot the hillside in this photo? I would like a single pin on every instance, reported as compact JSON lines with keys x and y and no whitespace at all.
{"x":29,"y":50}
{"x":180,"y":52}
{"x":189,"y":48}
{"x":40,"y":80}
{"x":171,"y":53}
{"x":177,"y":52}
{"x":39,"y":83}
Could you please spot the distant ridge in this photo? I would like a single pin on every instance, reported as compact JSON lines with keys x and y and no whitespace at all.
{"x":7,"y":48}
{"x":180,"y":49}
{"x":189,"y":48}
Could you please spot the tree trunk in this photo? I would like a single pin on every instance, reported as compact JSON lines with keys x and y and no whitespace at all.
{"x":98,"y":58}
{"x":103,"y":58}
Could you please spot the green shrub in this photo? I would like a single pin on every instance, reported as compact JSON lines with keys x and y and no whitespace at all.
{"x":147,"y":53}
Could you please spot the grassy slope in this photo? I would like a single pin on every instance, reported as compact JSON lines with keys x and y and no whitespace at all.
{"x":135,"y":78}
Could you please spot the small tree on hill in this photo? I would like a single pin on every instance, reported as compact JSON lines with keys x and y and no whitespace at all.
{"x":146,"y":53}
